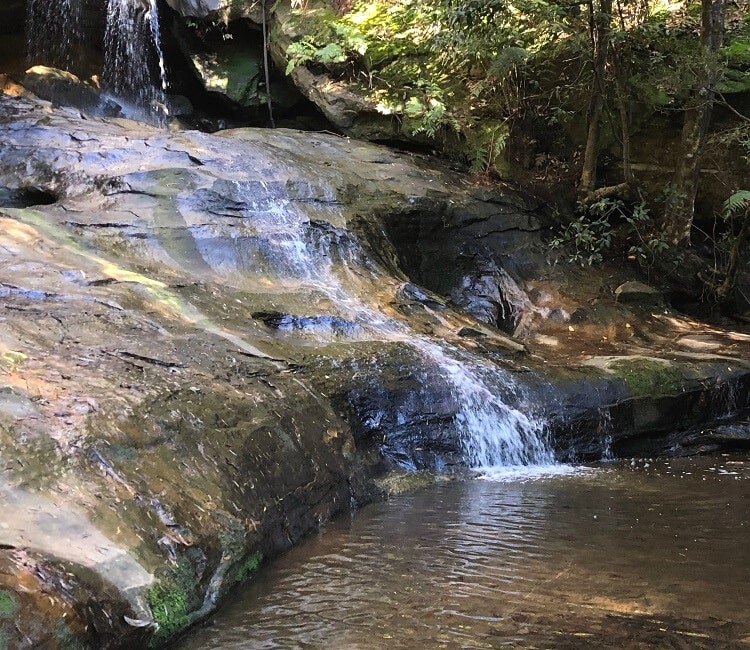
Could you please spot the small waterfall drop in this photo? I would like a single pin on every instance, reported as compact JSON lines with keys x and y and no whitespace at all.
{"x":134,"y":68}
{"x":492,"y":432}
{"x":604,"y":431}
{"x":53,"y":32}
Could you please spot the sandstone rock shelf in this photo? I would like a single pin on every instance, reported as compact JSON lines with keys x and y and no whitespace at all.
{"x":179,"y":399}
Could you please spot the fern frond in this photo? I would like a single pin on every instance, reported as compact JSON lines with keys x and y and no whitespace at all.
{"x":740,"y":200}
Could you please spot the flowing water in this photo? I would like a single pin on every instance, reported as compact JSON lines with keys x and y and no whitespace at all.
{"x":134,"y":68}
{"x":53,"y":32}
{"x":496,"y":424}
{"x":641,"y":555}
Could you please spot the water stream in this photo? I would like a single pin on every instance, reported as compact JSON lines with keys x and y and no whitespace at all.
{"x":496,"y":423}
{"x":641,"y":555}
{"x":134,"y":68}
{"x":53,"y":32}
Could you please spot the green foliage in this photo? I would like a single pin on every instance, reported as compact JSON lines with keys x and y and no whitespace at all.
{"x":414,"y":58}
{"x":737,"y":138}
{"x":592,"y":233}
{"x":486,"y":146}
{"x":425,"y":111}
{"x":738,"y":202}
{"x":648,"y":241}
{"x":446,"y":68}
{"x":480,"y":30}
{"x":737,"y":53}
{"x":586,"y":238}
{"x":735,"y":80}
{"x":340,"y":43}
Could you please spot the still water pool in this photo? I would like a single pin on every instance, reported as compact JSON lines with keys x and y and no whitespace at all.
{"x":627,"y":555}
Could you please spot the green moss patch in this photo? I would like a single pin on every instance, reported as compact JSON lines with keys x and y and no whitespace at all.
{"x":11,"y":359}
{"x":249,"y":566}
{"x":8,"y":604}
{"x":648,"y":377}
{"x":171,"y":600}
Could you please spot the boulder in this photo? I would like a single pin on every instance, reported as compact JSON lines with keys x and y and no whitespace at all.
{"x":61,"y":87}
{"x":343,"y":104}
{"x":159,"y":394}
{"x":634,"y":292}
{"x":11,"y":88}
{"x":234,"y":70}
{"x":345,"y":107}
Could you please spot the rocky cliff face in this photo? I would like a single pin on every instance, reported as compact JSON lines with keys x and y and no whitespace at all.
{"x":207,"y":350}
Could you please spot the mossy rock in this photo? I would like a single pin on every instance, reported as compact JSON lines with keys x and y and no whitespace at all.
{"x":249,"y":566}
{"x":8,"y":604}
{"x":317,"y":22}
{"x":648,"y":377}
{"x":171,"y":599}
{"x":398,"y":482}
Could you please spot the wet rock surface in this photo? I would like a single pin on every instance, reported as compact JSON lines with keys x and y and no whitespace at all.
{"x":207,"y":351}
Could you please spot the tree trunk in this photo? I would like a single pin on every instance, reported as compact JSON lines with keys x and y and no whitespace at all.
{"x":678,"y":216}
{"x":601,"y":21}
{"x":624,"y":109}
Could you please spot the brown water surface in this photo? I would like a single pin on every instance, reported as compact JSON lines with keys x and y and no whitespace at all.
{"x":628,"y":555}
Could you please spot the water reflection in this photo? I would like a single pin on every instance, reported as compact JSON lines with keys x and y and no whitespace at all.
{"x":627,"y":556}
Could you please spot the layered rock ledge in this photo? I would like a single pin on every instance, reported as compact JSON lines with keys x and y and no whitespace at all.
{"x":189,"y":380}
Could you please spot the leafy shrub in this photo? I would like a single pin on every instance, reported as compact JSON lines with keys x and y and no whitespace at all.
{"x":592,"y":233}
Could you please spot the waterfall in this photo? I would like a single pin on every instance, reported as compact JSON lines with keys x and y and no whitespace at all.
{"x":53,"y":32}
{"x":134,"y":67}
{"x":285,"y":247}
{"x":492,"y":432}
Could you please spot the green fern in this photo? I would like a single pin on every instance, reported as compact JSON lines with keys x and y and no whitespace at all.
{"x":738,"y":201}
{"x":507,"y":61}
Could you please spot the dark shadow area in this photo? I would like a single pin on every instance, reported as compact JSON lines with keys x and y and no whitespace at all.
{"x":25,"y":197}
{"x":233,"y":54}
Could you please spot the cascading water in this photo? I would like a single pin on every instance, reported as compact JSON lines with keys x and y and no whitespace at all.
{"x":53,"y":32}
{"x":493,"y":433}
{"x":134,"y":67}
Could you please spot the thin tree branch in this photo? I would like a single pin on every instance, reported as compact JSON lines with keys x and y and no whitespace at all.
{"x":724,"y":102}
{"x":265,"y":66}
